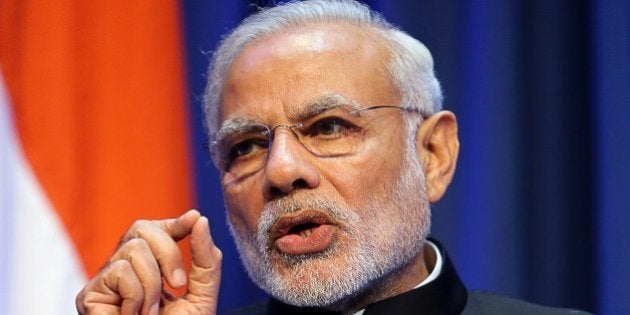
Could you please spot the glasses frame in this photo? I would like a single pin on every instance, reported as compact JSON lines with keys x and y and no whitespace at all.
{"x":217,"y":161}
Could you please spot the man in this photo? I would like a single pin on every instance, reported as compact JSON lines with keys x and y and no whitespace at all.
{"x":325,"y":123}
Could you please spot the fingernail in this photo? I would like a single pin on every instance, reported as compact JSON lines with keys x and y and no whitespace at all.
{"x":187,"y":212}
{"x":179,"y":277}
{"x":206,"y":221}
{"x":155,"y":309}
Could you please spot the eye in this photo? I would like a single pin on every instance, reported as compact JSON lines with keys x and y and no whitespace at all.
{"x":330,"y":127}
{"x":246,"y":148}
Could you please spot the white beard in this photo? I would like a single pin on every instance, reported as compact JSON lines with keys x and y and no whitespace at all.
{"x":388,"y":235}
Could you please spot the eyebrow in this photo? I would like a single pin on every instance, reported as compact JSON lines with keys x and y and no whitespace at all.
{"x":319,"y":105}
{"x":234,"y":126}
{"x":309,"y":109}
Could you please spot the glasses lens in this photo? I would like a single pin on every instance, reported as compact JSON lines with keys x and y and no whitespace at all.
{"x":333,"y":134}
{"x":242,"y":152}
{"x":337,"y":132}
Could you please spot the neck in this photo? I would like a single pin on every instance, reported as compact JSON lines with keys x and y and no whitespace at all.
{"x":396,"y":282}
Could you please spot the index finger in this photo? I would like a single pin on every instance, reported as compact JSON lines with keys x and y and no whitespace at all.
{"x":180,"y":227}
{"x":161,"y":236}
{"x":177,"y":228}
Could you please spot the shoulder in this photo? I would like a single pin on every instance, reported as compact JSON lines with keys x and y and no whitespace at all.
{"x":488,"y":303}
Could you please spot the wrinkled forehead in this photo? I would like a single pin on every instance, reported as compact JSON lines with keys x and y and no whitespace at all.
{"x":282,"y":73}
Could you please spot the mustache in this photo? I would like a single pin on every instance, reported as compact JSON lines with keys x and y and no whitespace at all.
{"x":295,"y":203}
{"x":274,"y":210}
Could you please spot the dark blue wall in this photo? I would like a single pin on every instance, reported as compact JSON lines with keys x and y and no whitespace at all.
{"x":540,"y":205}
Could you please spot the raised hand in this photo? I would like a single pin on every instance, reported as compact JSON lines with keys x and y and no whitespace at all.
{"x":132,"y":281}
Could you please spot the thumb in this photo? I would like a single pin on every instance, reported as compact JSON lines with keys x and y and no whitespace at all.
{"x":205,"y":272}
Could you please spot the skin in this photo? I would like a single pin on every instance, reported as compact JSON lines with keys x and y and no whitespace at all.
{"x":304,"y":65}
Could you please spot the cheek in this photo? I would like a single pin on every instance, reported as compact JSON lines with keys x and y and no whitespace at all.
{"x":365,"y":177}
{"x":243,"y":206}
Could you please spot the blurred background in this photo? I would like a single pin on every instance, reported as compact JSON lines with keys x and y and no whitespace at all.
{"x":101,"y":125}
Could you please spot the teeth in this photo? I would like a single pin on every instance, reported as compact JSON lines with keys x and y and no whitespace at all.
{"x":306,"y":233}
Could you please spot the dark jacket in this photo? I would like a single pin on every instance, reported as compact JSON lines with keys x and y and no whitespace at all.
{"x":444,"y":295}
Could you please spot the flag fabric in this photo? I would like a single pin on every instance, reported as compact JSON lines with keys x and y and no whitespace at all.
{"x":93,"y":136}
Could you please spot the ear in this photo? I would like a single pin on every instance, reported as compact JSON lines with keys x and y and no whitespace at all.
{"x":437,"y":146}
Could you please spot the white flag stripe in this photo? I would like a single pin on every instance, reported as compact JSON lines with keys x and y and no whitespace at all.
{"x":40,"y":271}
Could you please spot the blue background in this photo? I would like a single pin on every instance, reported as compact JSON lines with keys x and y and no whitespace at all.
{"x":539,"y":206}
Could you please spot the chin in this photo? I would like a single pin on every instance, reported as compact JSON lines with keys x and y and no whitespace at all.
{"x":318,"y":280}
{"x":315,"y":279}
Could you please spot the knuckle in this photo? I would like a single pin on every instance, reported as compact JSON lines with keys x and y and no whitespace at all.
{"x":120,"y":266}
{"x":133,"y":243}
{"x":79,"y":302}
{"x":136,"y":244}
{"x":91,"y":309}
{"x":139,"y":224}
{"x":137,"y":227}
{"x":136,"y":298}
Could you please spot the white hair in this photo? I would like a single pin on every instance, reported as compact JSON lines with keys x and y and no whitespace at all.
{"x":410,"y":67}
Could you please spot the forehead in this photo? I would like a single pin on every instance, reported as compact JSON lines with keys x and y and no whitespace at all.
{"x":277,"y":75}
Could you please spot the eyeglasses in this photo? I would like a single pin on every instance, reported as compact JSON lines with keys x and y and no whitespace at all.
{"x":242,"y":149}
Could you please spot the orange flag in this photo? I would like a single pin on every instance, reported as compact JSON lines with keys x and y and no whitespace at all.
{"x":95,"y":101}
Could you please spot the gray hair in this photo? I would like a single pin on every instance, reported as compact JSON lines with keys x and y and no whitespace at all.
{"x":410,"y":68}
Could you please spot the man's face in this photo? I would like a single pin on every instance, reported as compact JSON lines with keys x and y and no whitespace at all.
{"x":312,"y":230}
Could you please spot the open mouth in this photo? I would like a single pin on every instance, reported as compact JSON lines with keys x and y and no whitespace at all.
{"x":308,"y":231}
{"x":303,"y":230}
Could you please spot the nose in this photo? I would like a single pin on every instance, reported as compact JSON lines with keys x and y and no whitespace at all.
{"x":288,"y":166}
